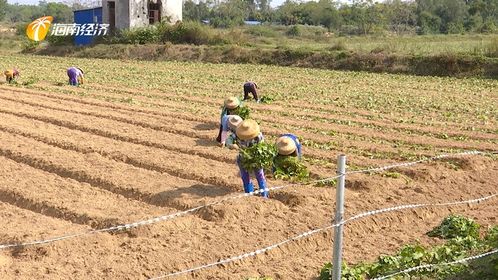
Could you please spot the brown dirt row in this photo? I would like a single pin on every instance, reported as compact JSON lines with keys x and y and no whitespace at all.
{"x":323,"y":138}
{"x":342,"y":130}
{"x":298,"y":113}
{"x":307,"y":120}
{"x":142,"y":185}
{"x":43,"y":192}
{"x":206,"y":135}
{"x":310,"y":109}
{"x":150,"y":181}
{"x":171,"y":162}
{"x":148,"y":259}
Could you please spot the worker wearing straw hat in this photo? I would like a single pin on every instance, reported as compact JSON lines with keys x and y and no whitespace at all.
{"x":229,"y":126}
{"x":249,"y":134}
{"x":11,"y":75}
{"x":230,"y":106}
{"x":288,"y":145}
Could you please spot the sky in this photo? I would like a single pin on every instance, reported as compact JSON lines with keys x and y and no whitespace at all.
{"x":274,"y":3}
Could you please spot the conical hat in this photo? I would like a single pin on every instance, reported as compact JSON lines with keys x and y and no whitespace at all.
{"x":234,"y":121}
{"x":286,"y":146}
{"x":248,"y":130}
{"x":232,"y":103}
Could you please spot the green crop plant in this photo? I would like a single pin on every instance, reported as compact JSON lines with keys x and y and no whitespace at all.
{"x":455,"y":226}
{"x":462,"y":240}
{"x":259,"y":156}
{"x":290,"y":168}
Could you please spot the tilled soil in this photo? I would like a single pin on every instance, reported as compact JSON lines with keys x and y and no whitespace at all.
{"x":73,"y":164}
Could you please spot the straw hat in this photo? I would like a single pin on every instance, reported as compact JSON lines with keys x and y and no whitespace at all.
{"x":232,"y":103}
{"x":234,"y":121}
{"x":286,"y":146}
{"x":248,"y":130}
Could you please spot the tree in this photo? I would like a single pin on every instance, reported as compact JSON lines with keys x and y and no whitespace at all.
{"x":229,"y":13}
{"x":400,"y":15}
{"x":3,"y":9}
{"x":196,"y":11}
{"x":61,"y":12}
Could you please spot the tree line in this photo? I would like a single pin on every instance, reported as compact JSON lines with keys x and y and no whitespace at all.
{"x":358,"y":17}
{"x":62,"y":12}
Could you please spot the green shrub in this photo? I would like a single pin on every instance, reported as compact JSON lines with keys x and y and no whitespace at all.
{"x":262,"y":30}
{"x":21,"y":28}
{"x":29,"y":46}
{"x":294,"y":30}
{"x":338,"y":45}
{"x":492,"y":48}
{"x":142,"y":35}
{"x":60,"y":40}
{"x":455,"y":226}
{"x":488,"y":27}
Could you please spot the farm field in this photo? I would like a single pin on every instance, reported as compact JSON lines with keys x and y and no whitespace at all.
{"x":136,"y":141}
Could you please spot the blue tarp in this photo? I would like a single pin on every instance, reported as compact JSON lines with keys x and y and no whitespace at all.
{"x":93,"y":15}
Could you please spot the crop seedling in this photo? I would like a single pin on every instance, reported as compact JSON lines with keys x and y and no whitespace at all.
{"x":267,"y":99}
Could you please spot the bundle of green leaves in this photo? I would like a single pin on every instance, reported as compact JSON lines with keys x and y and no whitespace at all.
{"x":290,"y":168}
{"x":259,"y":156}
{"x":454,"y":226}
{"x":242,"y":111}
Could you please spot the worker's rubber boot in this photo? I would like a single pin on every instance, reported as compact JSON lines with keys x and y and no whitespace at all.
{"x":262,"y":186}
{"x":248,"y":188}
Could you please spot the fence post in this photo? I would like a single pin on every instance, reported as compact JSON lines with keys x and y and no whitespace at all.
{"x":339,"y":214}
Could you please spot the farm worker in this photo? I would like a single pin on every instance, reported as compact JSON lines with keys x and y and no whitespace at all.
{"x":249,"y":134}
{"x":230,"y":107}
{"x":251,"y":87}
{"x":288,"y":145}
{"x":229,"y":125}
{"x":11,"y":75}
{"x":75,"y":75}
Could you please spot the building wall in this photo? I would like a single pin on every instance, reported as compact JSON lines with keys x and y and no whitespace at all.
{"x":85,"y":17}
{"x":173,"y":9}
{"x":139,"y":16}
{"x":122,"y":12}
{"x":134,"y":13}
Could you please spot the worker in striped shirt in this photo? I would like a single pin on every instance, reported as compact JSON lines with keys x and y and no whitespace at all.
{"x":229,"y":124}
{"x":249,"y":134}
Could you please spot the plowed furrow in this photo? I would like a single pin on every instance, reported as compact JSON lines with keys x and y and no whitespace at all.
{"x":26,"y":186}
{"x":274,"y":132}
{"x":331,"y":113}
{"x":89,"y":124}
{"x":138,"y":184}
{"x":20,"y":224}
{"x":337,"y":124}
{"x":345,"y":133}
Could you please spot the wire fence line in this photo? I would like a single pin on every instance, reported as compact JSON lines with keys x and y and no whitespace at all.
{"x":425,"y":266}
{"x":192,"y":210}
{"x":155,"y":219}
{"x":311,"y":232}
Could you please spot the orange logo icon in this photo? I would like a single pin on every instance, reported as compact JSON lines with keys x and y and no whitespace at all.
{"x":38,"y":29}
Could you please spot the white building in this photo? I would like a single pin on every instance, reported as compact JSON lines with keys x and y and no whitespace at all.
{"x":126,"y":14}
